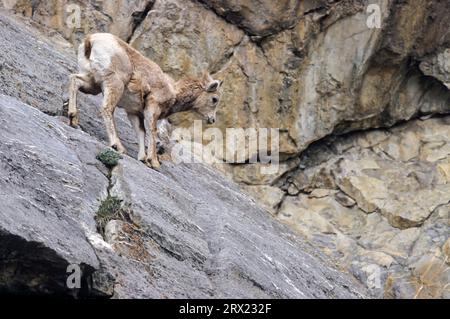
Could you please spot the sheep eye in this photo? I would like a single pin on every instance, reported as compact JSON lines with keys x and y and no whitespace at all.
{"x":215,"y":100}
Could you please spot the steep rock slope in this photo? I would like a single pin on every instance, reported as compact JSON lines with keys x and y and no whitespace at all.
{"x":35,"y":70}
{"x":313,"y":69}
{"x":182,"y":232}
{"x":188,"y":232}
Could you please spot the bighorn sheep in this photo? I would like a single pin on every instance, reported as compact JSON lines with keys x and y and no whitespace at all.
{"x":129,"y":80}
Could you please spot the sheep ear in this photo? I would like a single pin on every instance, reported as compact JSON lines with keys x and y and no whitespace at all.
{"x":213,"y":86}
{"x":207,"y":77}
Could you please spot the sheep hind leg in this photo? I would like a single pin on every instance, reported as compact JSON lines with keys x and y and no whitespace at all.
{"x":77,"y":82}
{"x":138,"y":124}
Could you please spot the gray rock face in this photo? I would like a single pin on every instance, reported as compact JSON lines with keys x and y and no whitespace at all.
{"x":44,"y":190}
{"x":24,"y":59}
{"x":438,"y":66}
{"x":193,"y":233}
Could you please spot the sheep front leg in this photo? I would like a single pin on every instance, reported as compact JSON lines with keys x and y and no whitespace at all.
{"x":151,"y":115}
{"x":112,"y":91}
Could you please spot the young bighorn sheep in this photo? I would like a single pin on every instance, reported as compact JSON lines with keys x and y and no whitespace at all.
{"x":129,"y":80}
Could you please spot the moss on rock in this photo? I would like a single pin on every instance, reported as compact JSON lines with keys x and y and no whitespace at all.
{"x":109,"y":157}
{"x":110,"y":209}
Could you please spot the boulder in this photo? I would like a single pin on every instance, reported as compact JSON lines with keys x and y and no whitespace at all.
{"x":438,"y":67}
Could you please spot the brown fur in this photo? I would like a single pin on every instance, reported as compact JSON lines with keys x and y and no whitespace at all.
{"x":130,"y":80}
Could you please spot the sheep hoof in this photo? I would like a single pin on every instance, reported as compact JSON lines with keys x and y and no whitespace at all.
{"x":74,"y":120}
{"x":153,"y":164}
{"x":119,"y":148}
{"x":142,"y":158}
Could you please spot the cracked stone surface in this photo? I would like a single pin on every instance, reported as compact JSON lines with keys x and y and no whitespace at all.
{"x":379,"y":202}
{"x":438,"y":66}
{"x":197,"y":234}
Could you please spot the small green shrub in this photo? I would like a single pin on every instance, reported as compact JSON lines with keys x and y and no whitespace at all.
{"x":109,"y":157}
{"x":110,"y":209}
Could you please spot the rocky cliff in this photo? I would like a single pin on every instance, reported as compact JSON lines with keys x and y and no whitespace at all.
{"x":183,"y":232}
{"x":359,"y":90}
